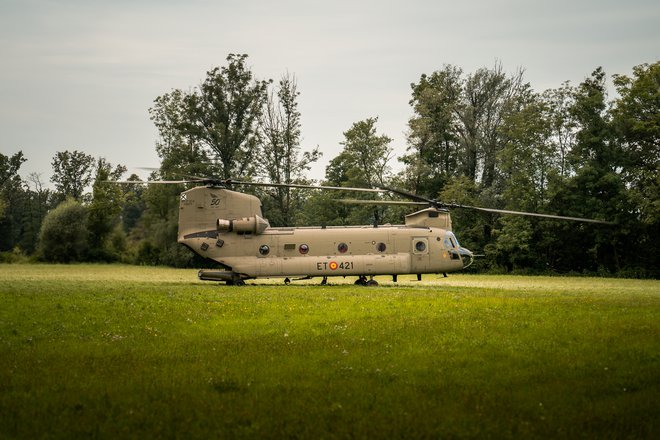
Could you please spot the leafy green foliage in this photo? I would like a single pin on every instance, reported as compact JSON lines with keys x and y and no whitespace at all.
{"x":223,"y":114}
{"x":10,"y":189}
{"x":72,"y":173}
{"x":363,"y":163}
{"x":636,"y":121}
{"x":160,"y":222}
{"x":103,"y":211}
{"x":456,"y":127}
{"x":280,"y":158}
{"x":64,"y":233}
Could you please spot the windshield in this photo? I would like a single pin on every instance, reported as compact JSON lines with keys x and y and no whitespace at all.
{"x":450,"y":241}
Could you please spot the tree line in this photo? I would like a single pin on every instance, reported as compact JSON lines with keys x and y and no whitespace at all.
{"x":482,"y":138}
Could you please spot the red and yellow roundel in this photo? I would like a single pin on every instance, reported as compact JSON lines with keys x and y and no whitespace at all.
{"x":333,"y":265}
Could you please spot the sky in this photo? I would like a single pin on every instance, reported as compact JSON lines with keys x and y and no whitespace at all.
{"x":82,"y":74}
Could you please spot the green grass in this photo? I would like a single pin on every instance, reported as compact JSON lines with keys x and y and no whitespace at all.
{"x":130,"y":352}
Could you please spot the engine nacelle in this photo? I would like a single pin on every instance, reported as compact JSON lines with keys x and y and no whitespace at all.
{"x":246,"y":225}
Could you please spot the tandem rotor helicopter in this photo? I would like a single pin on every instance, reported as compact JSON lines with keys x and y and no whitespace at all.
{"x":228,"y":227}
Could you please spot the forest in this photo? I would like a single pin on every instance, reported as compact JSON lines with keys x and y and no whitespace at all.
{"x":482,"y":138}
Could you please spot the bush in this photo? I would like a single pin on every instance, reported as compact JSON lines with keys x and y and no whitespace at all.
{"x":63,"y":234}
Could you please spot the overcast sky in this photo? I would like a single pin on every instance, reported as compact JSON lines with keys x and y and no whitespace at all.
{"x":82,"y":74}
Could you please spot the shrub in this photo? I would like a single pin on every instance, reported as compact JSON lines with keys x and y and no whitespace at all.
{"x":63,"y":234}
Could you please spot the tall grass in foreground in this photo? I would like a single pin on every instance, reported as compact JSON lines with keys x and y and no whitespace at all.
{"x":115,"y":351}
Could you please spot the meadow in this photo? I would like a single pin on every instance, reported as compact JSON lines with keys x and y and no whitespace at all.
{"x":141,"y":352}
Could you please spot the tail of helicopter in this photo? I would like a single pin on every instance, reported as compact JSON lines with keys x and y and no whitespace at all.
{"x":204,"y":210}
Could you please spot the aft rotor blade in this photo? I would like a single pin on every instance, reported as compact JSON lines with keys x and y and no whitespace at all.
{"x":381,"y":202}
{"x":149,"y":182}
{"x":532,"y":214}
{"x":297,"y":185}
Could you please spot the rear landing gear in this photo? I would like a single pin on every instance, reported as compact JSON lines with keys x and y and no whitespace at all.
{"x":362,"y":281}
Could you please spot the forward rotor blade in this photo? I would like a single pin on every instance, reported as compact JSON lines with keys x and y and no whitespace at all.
{"x":532,"y":214}
{"x":411,"y":196}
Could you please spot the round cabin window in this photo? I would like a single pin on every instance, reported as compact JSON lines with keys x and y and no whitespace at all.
{"x":380,"y":247}
{"x":342,"y":248}
{"x":303,"y":249}
{"x":420,"y":246}
{"x":264,"y":249}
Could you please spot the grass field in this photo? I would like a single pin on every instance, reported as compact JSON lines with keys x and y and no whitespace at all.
{"x":131,"y":352}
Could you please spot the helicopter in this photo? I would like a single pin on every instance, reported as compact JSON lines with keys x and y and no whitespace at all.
{"x":229,"y":228}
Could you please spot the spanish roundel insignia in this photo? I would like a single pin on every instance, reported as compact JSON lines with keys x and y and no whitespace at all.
{"x":333,"y":265}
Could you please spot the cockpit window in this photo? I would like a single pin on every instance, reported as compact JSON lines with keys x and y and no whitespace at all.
{"x":450,"y":241}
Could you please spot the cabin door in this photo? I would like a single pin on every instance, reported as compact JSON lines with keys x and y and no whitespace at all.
{"x":420,"y":255}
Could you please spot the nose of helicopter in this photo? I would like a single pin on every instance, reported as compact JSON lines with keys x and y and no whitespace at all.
{"x":467,"y":256}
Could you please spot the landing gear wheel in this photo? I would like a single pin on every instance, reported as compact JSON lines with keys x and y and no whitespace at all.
{"x":287,"y":281}
{"x":239,"y":282}
{"x":372,"y":283}
{"x":361,"y":281}
{"x":324,"y":281}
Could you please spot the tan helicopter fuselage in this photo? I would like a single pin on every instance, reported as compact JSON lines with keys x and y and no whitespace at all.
{"x":228,"y":227}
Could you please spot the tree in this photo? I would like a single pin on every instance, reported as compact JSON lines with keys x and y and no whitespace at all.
{"x":133,"y":206}
{"x":281,"y":161}
{"x":104,"y":209}
{"x":181,"y":152}
{"x":432,"y":139}
{"x":158,"y":244}
{"x":222,"y":115}
{"x":363,"y":162}
{"x":595,"y":157}
{"x":366,"y":155}
{"x":562,"y":122}
{"x":489,"y":96}
{"x":11,"y":193}
{"x":527,"y":163}
{"x":456,"y":129}
{"x":72,"y":173}
{"x":636,"y":121}
{"x":36,"y":203}
{"x":63,"y":235}
{"x":595,"y":189}
{"x":9,"y":178}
